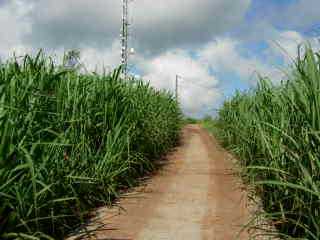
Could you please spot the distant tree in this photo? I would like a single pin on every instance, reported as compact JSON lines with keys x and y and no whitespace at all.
{"x":190,"y":120}
{"x":207,"y":118}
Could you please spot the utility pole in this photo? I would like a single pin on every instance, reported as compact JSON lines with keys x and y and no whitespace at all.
{"x":177,"y":87}
{"x":124,"y":38}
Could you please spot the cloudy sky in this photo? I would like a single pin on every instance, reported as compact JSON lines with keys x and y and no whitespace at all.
{"x":217,"y":46}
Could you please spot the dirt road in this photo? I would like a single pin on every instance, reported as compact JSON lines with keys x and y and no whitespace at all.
{"x":196,"y":195}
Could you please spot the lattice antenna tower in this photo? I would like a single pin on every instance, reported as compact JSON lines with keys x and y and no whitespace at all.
{"x":125,"y":37}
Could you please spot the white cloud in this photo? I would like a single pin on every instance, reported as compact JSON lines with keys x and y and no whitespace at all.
{"x":223,"y":55}
{"x":156,"y":26}
{"x":75,"y":23}
{"x":197,"y":87}
{"x":15,"y":25}
{"x":286,"y":44}
{"x":100,"y":59}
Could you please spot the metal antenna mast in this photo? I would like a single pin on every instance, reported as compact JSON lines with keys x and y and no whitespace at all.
{"x":124,"y":38}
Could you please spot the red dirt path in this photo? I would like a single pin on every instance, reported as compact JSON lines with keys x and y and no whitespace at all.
{"x":196,"y":195}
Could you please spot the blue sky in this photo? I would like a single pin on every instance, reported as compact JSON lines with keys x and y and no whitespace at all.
{"x":266,"y":11}
{"x":264,"y":8}
{"x":217,"y":46}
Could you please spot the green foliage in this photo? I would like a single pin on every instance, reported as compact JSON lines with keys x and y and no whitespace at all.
{"x":189,"y":120}
{"x":275,"y":131}
{"x":70,"y":142}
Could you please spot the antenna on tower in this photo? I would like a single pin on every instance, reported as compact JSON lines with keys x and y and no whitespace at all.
{"x":124,"y":38}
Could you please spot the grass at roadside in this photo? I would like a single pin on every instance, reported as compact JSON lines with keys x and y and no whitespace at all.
{"x":275,"y":132}
{"x":71,"y":141}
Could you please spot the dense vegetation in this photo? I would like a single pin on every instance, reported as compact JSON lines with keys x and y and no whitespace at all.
{"x":275,"y":132}
{"x":71,"y":141}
